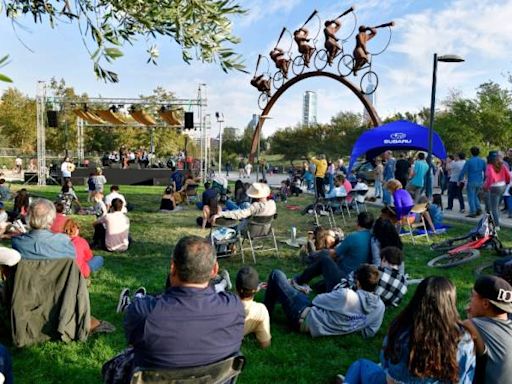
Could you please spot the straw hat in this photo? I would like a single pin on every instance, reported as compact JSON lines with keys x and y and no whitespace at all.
{"x":258,"y":190}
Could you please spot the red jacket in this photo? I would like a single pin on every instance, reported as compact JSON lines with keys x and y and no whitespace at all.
{"x":83,"y":254}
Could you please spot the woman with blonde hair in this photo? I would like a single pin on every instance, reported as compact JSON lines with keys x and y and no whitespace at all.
{"x":401,"y":198}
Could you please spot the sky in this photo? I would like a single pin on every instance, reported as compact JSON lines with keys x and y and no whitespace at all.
{"x":478,"y":30}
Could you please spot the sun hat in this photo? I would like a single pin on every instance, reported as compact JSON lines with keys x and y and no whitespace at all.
{"x":497,"y":290}
{"x":258,"y":190}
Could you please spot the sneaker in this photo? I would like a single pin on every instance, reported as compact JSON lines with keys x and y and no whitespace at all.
{"x":304,"y":288}
{"x":471,"y":215}
{"x":478,"y":212}
{"x":140,"y":292}
{"x":225,"y":275}
{"x":124,"y":300}
{"x":340,"y":379}
{"x":462,"y":211}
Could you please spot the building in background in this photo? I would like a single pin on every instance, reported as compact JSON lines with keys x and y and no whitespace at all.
{"x":372,"y":99}
{"x":309,"y":103}
{"x":254,"y":121}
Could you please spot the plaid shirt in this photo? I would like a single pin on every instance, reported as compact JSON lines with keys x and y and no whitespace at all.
{"x":392,"y":286}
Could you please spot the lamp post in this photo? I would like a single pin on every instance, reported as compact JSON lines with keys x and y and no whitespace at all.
{"x":220,"y":120}
{"x":260,"y":123}
{"x":444,"y":59}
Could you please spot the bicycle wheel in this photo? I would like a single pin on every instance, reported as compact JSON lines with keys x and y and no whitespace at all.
{"x":298,"y":65}
{"x":446,"y":245}
{"x":262,"y":100}
{"x":321,"y":59}
{"x":451,"y":260}
{"x":369,"y":82}
{"x":278,"y":80}
{"x":484,"y":269}
{"x":345,"y":65}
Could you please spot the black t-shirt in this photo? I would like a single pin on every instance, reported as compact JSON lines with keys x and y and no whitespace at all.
{"x":402,"y":168}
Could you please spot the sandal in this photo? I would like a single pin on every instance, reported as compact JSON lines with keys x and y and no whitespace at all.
{"x":103,"y":327}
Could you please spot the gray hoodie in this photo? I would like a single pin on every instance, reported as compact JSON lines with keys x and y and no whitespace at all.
{"x":345,"y":311}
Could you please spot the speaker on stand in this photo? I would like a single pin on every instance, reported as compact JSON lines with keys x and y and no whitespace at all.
{"x":189,"y":120}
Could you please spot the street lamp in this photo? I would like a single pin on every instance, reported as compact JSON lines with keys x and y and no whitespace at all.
{"x":220,"y":120}
{"x":260,"y":124}
{"x":444,"y":59}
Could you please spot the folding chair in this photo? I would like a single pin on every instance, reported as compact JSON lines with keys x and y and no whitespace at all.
{"x":418,"y":209}
{"x":334,"y":204}
{"x":258,"y":228}
{"x":225,"y":371}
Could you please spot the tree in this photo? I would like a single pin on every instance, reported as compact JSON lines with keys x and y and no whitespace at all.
{"x":17,"y":120}
{"x":202,"y":29}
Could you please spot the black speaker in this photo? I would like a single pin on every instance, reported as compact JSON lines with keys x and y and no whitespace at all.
{"x":53,"y":119}
{"x":189,"y":120}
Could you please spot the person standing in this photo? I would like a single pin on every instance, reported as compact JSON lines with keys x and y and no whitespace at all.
{"x":320,"y":171}
{"x":497,"y":177}
{"x":379,"y":170}
{"x":417,"y":181}
{"x":388,"y":174}
{"x":248,"y":170}
{"x":228,"y":168}
{"x":19,"y":164}
{"x":241,"y":169}
{"x":402,"y":169}
{"x":475,"y":171}
{"x":454,"y":186}
{"x":66,"y":168}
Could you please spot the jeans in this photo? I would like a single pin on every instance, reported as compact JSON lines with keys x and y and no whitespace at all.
{"x":364,"y":371}
{"x":96,"y":263}
{"x":455,"y":192}
{"x":473,"y":200}
{"x":386,"y":197}
{"x":378,"y":188}
{"x":292,"y":301}
{"x":492,"y":202}
{"x":508,"y":201}
{"x":6,"y":365}
{"x":331,"y":182}
{"x":320,"y":190}
{"x":324,"y":266}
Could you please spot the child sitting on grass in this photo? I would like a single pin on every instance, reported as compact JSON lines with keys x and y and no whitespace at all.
{"x":257,"y":319}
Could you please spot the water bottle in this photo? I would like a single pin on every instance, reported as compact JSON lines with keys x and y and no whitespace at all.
{"x":293,"y":234}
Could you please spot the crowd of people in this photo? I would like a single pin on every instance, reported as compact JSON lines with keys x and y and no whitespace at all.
{"x":197,"y":321}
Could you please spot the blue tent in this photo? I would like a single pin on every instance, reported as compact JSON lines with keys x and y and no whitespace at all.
{"x":397,"y":135}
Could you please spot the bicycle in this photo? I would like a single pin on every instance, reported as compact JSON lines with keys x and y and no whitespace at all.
{"x":463,"y":249}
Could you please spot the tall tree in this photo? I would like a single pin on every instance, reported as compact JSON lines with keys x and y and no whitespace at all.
{"x":202,"y":29}
{"x":17,"y":120}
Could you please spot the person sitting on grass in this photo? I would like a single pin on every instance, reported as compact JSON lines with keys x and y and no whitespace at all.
{"x":86,"y":261}
{"x":114,"y":194}
{"x":338,"y":312}
{"x":426,"y":343}
{"x":491,"y":302}
{"x":99,"y":208}
{"x":284,"y":191}
{"x":257,"y":319}
{"x":384,"y":234}
{"x":60,"y":219}
{"x":190,"y":325}
{"x":392,"y":282}
{"x":112,"y":231}
{"x":68,"y":197}
{"x":167,"y":203}
{"x":322,"y":241}
{"x":5,"y":193}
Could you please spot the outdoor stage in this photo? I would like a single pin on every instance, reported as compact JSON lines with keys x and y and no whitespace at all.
{"x":129,"y":176}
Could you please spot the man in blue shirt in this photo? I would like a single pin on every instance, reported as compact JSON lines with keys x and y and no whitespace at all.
{"x":190,"y":324}
{"x":417,"y":181}
{"x":40,"y":243}
{"x":388,"y":174}
{"x":177,"y":179}
{"x":474,"y":169}
{"x":345,"y":258}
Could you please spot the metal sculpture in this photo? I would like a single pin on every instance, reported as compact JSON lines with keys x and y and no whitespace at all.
{"x":282,"y":60}
{"x":262,"y":83}
{"x":301,"y":37}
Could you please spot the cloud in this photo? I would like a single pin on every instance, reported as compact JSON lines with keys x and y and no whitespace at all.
{"x":261,"y":9}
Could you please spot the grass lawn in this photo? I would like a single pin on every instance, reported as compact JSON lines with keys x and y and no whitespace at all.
{"x":292,"y":358}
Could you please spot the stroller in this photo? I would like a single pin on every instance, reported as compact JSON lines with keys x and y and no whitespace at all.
{"x":463,"y":249}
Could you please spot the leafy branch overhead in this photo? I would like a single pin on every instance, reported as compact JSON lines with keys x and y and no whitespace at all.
{"x":202,"y":28}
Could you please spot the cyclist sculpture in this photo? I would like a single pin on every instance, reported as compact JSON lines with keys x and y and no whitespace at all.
{"x":301,"y":37}
{"x":360,"y":51}
{"x":331,"y":41}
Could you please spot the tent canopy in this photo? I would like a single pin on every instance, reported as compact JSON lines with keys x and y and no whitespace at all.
{"x":397,"y":135}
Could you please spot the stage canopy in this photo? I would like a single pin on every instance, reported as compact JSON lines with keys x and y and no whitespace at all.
{"x":397,"y":135}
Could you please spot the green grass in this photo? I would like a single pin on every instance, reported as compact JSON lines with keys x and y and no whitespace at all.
{"x":292,"y":358}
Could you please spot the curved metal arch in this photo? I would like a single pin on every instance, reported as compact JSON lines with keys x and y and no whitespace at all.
{"x":375,"y":119}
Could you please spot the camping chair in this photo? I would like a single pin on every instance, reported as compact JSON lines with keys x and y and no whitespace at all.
{"x":225,"y":371}
{"x":258,"y":228}
{"x":335,"y":203}
{"x":410,"y":227}
{"x":355,"y":194}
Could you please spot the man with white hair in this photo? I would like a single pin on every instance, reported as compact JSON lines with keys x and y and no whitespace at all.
{"x":40,"y":243}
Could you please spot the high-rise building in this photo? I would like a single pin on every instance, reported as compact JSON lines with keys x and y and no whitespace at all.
{"x":309,"y":115}
{"x":372,"y":99}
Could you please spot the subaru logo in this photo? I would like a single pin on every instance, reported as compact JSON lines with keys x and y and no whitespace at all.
{"x":398,"y":136}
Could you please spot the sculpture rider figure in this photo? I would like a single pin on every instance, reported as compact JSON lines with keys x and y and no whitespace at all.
{"x":301,"y":38}
{"x":282,"y":63}
{"x":331,"y":42}
{"x":262,"y":84}
{"x":360,"y":51}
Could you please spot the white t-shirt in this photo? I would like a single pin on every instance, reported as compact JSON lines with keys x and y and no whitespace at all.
{"x":117,"y":229}
{"x":65,"y":169}
{"x":115,"y":195}
{"x":257,"y":320}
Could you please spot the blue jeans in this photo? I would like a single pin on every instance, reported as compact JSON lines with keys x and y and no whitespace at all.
{"x":508,"y":201}
{"x":331,"y":182}
{"x":280,"y":291}
{"x":364,"y":371}
{"x":6,"y":365}
{"x":492,"y":202}
{"x":323,"y":266}
{"x":473,"y":200}
{"x":386,"y":197}
{"x":378,"y":188}
{"x":96,"y":263}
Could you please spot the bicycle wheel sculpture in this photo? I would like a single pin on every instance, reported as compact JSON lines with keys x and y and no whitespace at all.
{"x":278,"y":80}
{"x":345,"y":65}
{"x":298,"y":65}
{"x":262,"y":100}
{"x":321,"y":59}
{"x":369,"y":83}
{"x":449,"y":260}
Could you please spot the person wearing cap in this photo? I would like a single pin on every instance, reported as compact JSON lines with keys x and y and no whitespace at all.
{"x":261,"y":206}
{"x":491,"y":329}
{"x":257,"y":319}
